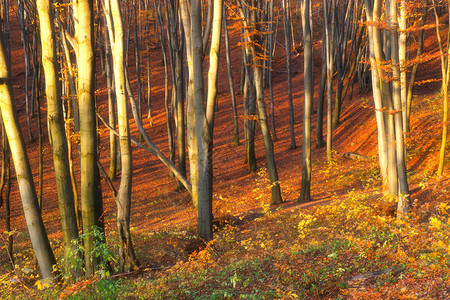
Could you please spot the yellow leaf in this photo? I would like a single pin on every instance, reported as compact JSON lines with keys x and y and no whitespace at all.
{"x":440,"y":244}
{"x":435,"y":223}
{"x":443,"y":207}
{"x":42,"y":285}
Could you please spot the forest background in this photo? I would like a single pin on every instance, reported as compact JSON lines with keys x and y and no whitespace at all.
{"x":357,"y":209}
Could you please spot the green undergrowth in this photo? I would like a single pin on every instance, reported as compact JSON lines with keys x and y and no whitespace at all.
{"x":352,"y":248}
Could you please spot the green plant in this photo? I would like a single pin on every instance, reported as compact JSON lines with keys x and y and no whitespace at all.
{"x":101,"y":250}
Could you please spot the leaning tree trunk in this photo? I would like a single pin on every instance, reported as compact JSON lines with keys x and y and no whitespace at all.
{"x":127,"y":257}
{"x":268,"y":144}
{"x":33,"y":218}
{"x":230,"y":80}
{"x":57,"y":131}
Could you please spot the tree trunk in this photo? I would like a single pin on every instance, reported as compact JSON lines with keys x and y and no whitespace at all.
{"x":36,"y":229}
{"x":445,"y":68}
{"x":287,"y":40}
{"x":230,"y":81}
{"x":329,"y":72}
{"x":270,"y":48}
{"x":175,"y":48}
{"x":127,"y":257}
{"x":412,"y":77}
{"x":5,"y":184}
{"x":57,"y":131}
{"x":305,"y":193}
{"x":249,"y":115}
{"x":91,"y":198}
{"x":373,"y":33}
{"x":268,"y":144}
{"x":403,"y":189}
{"x":322,"y":87}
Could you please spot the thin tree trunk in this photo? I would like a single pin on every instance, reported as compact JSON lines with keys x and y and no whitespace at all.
{"x":22,"y":16}
{"x":230,"y":81}
{"x":127,"y":257}
{"x":329,"y":71}
{"x":403,"y":189}
{"x":270,"y":48}
{"x":208,"y":25}
{"x":322,"y":87}
{"x":249,"y":115}
{"x":112,"y":173}
{"x":268,"y":144}
{"x":177,"y":46}
{"x":37,"y":89}
{"x":137,"y":59}
{"x":5,"y":185}
{"x":287,"y":39}
{"x":445,"y":68}
{"x":402,"y":22}
{"x":253,"y":27}
{"x":374,"y":43}
{"x":205,"y":215}
{"x":169,"y":117}
{"x":412,"y":77}
{"x":305,"y":193}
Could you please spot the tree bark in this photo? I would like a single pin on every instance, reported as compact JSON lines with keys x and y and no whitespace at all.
{"x":57,"y":131}
{"x":127,"y":257}
{"x":287,"y":40}
{"x":305,"y":193}
{"x":236,"y":141}
{"x":403,"y":189}
{"x":33,"y":218}
{"x":91,"y":198}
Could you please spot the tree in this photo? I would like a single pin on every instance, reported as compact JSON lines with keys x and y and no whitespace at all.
{"x":200,"y":120}
{"x":175,"y":45}
{"x":387,"y":100}
{"x":127,"y":257}
{"x":253,"y":34}
{"x":236,"y":141}
{"x":445,"y":69}
{"x":91,"y":197}
{"x":410,"y":88}
{"x":57,"y":130}
{"x":308,"y":58}
{"x":287,"y":39}
{"x":36,"y":229}
{"x":329,"y":36}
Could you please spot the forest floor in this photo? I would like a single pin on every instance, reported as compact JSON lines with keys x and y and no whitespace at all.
{"x":345,"y":244}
